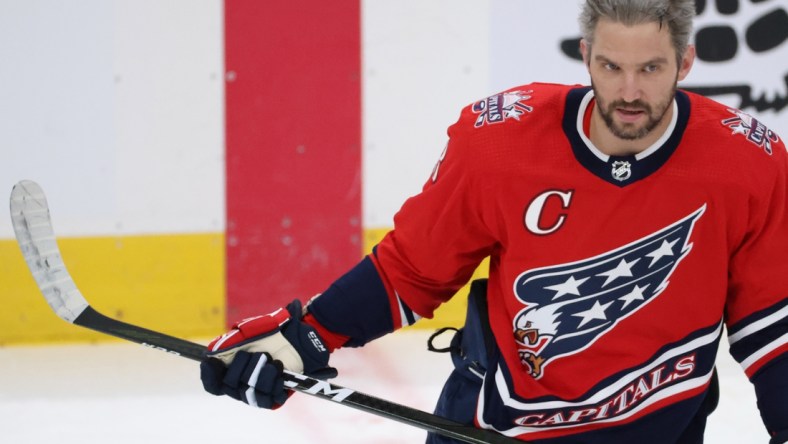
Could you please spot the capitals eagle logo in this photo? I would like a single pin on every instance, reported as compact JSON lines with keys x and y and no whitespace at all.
{"x":569,"y":306}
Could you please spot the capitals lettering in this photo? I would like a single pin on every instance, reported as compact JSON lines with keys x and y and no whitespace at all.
{"x":494,"y":109}
{"x":623,"y":401}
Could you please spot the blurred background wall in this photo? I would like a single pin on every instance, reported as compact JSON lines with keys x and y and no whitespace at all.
{"x":206,"y":160}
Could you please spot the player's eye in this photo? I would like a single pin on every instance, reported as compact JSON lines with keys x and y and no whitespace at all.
{"x":651,"y":68}
{"x":610,"y":66}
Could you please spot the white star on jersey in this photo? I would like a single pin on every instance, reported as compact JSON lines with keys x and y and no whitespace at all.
{"x":571,"y":286}
{"x":513,"y":113}
{"x":666,"y":249}
{"x":623,"y":269}
{"x":597,"y":311}
{"x":739,"y":129}
{"x":635,"y":295}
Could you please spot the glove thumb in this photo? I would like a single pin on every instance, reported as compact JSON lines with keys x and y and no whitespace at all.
{"x":212,"y":373}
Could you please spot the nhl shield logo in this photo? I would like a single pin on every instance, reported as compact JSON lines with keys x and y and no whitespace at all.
{"x":622,"y":170}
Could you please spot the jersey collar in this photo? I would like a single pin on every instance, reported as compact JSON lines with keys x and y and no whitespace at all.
{"x":621,"y":170}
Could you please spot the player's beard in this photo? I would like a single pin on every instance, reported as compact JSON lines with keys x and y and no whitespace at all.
{"x":629,"y":131}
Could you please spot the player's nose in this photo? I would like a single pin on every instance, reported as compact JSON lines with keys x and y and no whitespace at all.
{"x":630,"y":88}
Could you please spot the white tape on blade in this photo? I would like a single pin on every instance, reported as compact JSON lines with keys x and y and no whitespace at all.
{"x":36,"y":238}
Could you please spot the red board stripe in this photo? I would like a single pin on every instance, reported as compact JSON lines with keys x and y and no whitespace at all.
{"x":293,"y":149}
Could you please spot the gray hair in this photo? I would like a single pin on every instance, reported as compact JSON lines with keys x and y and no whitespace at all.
{"x":677,"y":14}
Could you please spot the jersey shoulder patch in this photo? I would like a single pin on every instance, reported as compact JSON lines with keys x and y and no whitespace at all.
{"x":751,"y":129}
{"x":734,"y":127}
{"x":514,"y":104}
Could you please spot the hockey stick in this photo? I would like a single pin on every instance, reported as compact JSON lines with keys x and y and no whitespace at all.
{"x":36,"y":237}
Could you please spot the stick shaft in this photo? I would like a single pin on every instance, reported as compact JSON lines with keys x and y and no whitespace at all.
{"x":35,"y":235}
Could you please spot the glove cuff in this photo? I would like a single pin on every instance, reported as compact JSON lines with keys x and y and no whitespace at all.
{"x":275,"y":345}
{"x":250,"y":330}
{"x":312,"y":349}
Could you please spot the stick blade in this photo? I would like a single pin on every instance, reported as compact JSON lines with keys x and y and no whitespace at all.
{"x":36,"y":238}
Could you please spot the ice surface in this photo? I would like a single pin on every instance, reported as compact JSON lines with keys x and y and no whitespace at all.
{"x":121,"y":393}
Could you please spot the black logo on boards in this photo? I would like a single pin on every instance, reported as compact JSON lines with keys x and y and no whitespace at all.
{"x":753,"y":33}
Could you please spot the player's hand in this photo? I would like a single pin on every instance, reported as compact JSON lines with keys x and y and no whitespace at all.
{"x":247,"y":363}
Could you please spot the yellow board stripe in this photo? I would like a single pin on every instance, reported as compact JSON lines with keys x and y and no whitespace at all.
{"x":450,"y":314}
{"x":171,"y":283}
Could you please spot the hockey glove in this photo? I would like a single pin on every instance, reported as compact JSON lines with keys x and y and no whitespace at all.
{"x":247,"y":362}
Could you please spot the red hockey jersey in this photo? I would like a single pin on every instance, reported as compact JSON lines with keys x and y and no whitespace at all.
{"x":611,"y":278}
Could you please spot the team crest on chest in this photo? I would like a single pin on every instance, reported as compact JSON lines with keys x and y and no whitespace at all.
{"x":500,"y":107}
{"x":568,"y":307}
{"x":756,"y":132}
{"x":621,"y":170}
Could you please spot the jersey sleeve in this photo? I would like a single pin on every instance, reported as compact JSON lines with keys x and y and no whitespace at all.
{"x":757,"y":308}
{"x":441,"y":235}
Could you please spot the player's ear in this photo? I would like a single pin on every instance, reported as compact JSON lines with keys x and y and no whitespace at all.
{"x":585,"y":50}
{"x":686,"y":62}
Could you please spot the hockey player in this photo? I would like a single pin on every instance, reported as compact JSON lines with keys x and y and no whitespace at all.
{"x":627,"y":223}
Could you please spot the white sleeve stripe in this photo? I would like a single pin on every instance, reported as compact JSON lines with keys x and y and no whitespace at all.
{"x":404,"y":319}
{"x":758,"y":325}
{"x":763,"y":351}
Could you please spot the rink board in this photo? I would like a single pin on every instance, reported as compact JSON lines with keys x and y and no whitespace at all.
{"x":171,"y":283}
